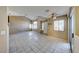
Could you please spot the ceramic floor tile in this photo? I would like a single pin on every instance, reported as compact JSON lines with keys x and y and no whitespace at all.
{"x":34,"y":42}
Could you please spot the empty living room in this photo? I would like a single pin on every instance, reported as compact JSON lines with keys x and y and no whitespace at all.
{"x":39,"y":29}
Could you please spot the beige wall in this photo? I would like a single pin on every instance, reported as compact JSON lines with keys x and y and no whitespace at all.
{"x":76,"y":44}
{"x":18,"y":24}
{"x":76,"y":38}
{"x":58,"y":34}
{"x":3,"y":28}
{"x":77,"y":21}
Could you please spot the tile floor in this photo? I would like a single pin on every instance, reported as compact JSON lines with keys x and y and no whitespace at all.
{"x":33,"y":42}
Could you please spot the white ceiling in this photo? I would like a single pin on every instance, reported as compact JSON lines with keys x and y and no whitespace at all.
{"x":33,"y":12}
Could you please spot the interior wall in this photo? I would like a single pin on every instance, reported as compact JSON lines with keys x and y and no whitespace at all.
{"x":3,"y":30}
{"x":58,"y":34}
{"x":18,"y":24}
{"x":76,"y":37}
{"x":77,"y":20}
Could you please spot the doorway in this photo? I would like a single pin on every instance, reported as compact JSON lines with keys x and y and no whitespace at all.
{"x":71,"y":28}
{"x":45,"y":27}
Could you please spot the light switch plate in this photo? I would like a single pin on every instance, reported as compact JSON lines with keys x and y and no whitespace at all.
{"x":3,"y":32}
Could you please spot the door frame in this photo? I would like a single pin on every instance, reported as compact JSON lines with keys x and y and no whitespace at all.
{"x":71,"y":25}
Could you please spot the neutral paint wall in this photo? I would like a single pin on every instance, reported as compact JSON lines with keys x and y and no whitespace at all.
{"x":77,"y":21}
{"x":76,"y":44}
{"x":76,"y":37}
{"x":3,"y":28}
{"x":18,"y":24}
{"x":58,"y":34}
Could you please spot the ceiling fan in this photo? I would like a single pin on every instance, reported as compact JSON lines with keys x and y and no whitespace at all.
{"x":41,"y":18}
{"x":51,"y":15}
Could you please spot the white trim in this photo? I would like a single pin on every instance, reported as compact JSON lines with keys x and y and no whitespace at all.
{"x":7,"y":39}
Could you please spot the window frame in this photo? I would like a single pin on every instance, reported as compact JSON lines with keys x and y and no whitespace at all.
{"x":35,"y":26}
{"x":59,"y":25}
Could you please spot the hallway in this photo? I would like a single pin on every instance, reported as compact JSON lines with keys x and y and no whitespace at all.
{"x":34,"y":42}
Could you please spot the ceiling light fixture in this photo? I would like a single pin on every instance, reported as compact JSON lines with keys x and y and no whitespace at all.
{"x":53,"y":15}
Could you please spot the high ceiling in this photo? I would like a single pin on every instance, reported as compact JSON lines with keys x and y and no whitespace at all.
{"x":32,"y":12}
